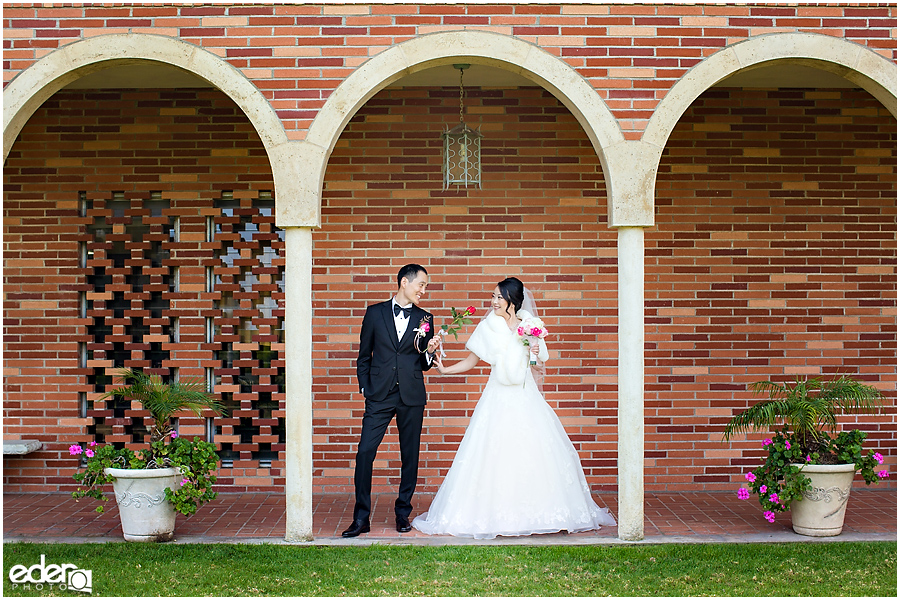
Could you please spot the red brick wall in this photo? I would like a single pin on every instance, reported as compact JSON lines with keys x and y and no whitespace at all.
{"x":774,"y":255}
{"x":297,"y":54}
{"x":541,"y":216}
{"x":187,"y":147}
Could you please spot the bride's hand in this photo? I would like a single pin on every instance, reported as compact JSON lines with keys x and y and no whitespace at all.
{"x":438,"y":365}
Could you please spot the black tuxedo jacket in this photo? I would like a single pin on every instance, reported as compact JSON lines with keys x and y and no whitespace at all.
{"x":384,"y":360}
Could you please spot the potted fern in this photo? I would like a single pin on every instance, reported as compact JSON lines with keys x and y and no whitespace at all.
{"x":172,"y":475}
{"x":809,"y":470}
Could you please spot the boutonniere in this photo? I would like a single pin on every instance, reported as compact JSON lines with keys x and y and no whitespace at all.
{"x":423,"y":328}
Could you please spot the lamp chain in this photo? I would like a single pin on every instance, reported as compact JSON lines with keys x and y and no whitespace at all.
{"x":461,"y":95}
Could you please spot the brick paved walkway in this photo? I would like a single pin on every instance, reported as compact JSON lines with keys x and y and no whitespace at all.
{"x":260,"y":517}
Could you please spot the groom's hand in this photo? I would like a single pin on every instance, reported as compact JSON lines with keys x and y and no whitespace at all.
{"x":433,"y":344}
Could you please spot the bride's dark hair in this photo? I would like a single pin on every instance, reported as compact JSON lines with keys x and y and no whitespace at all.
{"x":513,"y":291}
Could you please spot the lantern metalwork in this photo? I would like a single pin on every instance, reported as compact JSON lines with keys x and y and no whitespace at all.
{"x":462,"y":148}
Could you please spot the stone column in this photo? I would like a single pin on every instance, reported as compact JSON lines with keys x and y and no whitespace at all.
{"x":631,"y":383}
{"x":298,"y":480}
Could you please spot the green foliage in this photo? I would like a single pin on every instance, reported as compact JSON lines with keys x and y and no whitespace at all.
{"x":809,"y":410}
{"x":458,"y":319}
{"x":497,"y":570}
{"x":165,"y":400}
{"x":196,"y":460}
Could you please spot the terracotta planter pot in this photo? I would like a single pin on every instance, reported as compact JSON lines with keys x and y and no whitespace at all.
{"x":145,"y":513}
{"x":821,"y":511}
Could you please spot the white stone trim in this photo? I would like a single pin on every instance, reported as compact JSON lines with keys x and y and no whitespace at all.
{"x":854,"y":62}
{"x":298,"y":448}
{"x":33,"y":86}
{"x":630,"y":451}
{"x":432,"y":50}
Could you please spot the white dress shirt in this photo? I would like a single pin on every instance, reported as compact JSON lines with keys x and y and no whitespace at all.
{"x":401,"y":321}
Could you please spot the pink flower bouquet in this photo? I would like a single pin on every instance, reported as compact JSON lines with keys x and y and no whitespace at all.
{"x":530,"y":331}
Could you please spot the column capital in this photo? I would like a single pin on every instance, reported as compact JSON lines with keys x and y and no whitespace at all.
{"x":631,"y":184}
{"x":299,"y":172}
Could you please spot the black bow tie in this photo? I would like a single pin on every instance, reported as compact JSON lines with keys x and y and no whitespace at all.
{"x":406,"y":311}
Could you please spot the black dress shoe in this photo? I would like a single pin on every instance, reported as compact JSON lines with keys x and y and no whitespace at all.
{"x":403,"y":525}
{"x":356,"y":528}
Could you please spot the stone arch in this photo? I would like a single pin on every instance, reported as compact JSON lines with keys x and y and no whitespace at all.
{"x":33,"y":86}
{"x":434,"y":50}
{"x":853,"y":62}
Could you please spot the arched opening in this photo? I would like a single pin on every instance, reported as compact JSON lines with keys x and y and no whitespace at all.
{"x":539,"y":216}
{"x":774,"y":250}
{"x":445,"y":49}
{"x":850,"y":61}
{"x":146,"y":239}
{"x":382,"y":206}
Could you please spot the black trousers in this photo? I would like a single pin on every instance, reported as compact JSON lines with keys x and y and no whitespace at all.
{"x":376,"y":419}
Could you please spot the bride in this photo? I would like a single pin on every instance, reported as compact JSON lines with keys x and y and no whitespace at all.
{"x":516,"y":471}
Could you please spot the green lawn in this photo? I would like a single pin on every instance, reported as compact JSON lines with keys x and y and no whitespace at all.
{"x":804,"y":569}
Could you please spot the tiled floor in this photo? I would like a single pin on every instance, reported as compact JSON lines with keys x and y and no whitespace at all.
{"x":871,"y":513}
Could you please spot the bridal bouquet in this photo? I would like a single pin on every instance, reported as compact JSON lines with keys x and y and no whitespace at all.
{"x":530,"y":331}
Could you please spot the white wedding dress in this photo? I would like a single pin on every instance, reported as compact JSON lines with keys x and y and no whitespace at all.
{"x":516,"y":471}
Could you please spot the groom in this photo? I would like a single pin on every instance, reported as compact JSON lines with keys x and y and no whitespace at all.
{"x":390,"y":366}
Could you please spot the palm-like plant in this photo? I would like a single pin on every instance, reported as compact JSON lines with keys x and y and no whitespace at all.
{"x":164,"y":400}
{"x":808,"y":408}
{"x":195,"y":460}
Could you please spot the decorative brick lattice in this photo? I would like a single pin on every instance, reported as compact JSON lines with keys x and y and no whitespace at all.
{"x":132,"y":302}
{"x":246,"y":328}
{"x":124,"y":301}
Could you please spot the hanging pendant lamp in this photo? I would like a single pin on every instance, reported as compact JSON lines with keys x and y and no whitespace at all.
{"x":462,"y":148}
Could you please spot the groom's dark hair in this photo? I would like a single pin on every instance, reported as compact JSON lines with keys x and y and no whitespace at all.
{"x":410,"y":271}
{"x":513,"y":291}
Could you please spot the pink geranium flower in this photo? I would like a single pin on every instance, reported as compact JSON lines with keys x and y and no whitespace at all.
{"x":89,"y":453}
{"x":879,"y":458}
{"x":750,"y":477}
{"x":773,"y":498}
{"x":884,"y":474}
{"x":770,"y":516}
{"x":174,"y":434}
{"x":787,"y":445}
{"x":743,"y":494}
{"x":763,"y":488}
{"x":767,"y":442}
{"x":75,"y":449}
